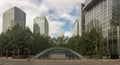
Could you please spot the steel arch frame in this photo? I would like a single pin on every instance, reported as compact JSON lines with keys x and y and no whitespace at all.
{"x":53,"y":48}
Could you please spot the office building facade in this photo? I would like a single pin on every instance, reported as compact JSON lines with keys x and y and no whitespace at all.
{"x":75,"y":28}
{"x":12,"y":17}
{"x":41,"y":26}
{"x":79,"y":24}
{"x":105,"y":14}
{"x":81,"y":20}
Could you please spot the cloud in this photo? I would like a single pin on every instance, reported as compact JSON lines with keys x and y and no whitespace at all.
{"x":61,"y":4}
{"x":67,"y":16}
{"x":36,"y":2}
{"x":68,"y":34}
{"x":54,"y":26}
{"x":58,"y":12}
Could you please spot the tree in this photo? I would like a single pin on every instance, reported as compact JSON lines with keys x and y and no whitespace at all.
{"x":3,"y":42}
{"x":41,"y":42}
{"x":17,"y":40}
{"x":73,"y":43}
{"x":91,"y":43}
{"x":61,"y":40}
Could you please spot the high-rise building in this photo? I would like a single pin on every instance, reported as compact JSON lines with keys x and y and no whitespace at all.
{"x":105,"y":14}
{"x":76,"y":28}
{"x":41,"y":26}
{"x":81,"y":20}
{"x":13,"y":16}
{"x":79,"y":25}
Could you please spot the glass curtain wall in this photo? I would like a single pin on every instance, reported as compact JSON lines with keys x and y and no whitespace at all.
{"x":105,"y":14}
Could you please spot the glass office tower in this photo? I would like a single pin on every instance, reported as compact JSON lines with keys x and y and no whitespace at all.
{"x":76,"y":28}
{"x":41,"y":25}
{"x":105,"y":14}
{"x":13,"y":16}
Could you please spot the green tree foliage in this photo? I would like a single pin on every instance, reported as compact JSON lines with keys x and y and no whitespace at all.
{"x":21,"y":41}
{"x":3,"y":42}
{"x":41,"y":42}
{"x":91,"y":43}
{"x":60,"y":41}
{"x":73,"y":43}
{"x":17,"y":40}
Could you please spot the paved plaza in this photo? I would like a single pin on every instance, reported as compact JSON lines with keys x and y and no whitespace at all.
{"x":59,"y":62}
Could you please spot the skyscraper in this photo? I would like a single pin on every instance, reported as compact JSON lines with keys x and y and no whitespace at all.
{"x":79,"y":24}
{"x":81,"y":20}
{"x":76,"y":27}
{"x":13,"y":16}
{"x":105,"y":14}
{"x":41,"y":26}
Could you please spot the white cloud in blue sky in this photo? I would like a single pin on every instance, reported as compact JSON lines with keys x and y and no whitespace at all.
{"x":60,"y":13}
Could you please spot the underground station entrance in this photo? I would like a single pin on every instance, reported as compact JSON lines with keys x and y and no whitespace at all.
{"x":58,"y":53}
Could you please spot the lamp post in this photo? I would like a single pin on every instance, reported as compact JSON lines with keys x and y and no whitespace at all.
{"x":1,"y":50}
{"x":118,"y":34}
{"x":13,"y":53}
{"x":18,"y":52}
{"x":28,"y":52}
{"x":6,"y":53}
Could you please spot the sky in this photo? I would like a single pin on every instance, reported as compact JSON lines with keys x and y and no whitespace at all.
{"x":61,"y":14}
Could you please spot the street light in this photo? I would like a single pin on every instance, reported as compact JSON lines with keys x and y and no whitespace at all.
{"x":7,"y":53}
{"x":18,"y":52}
{"x":1,"y":49}
{"x":28,"y":52}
